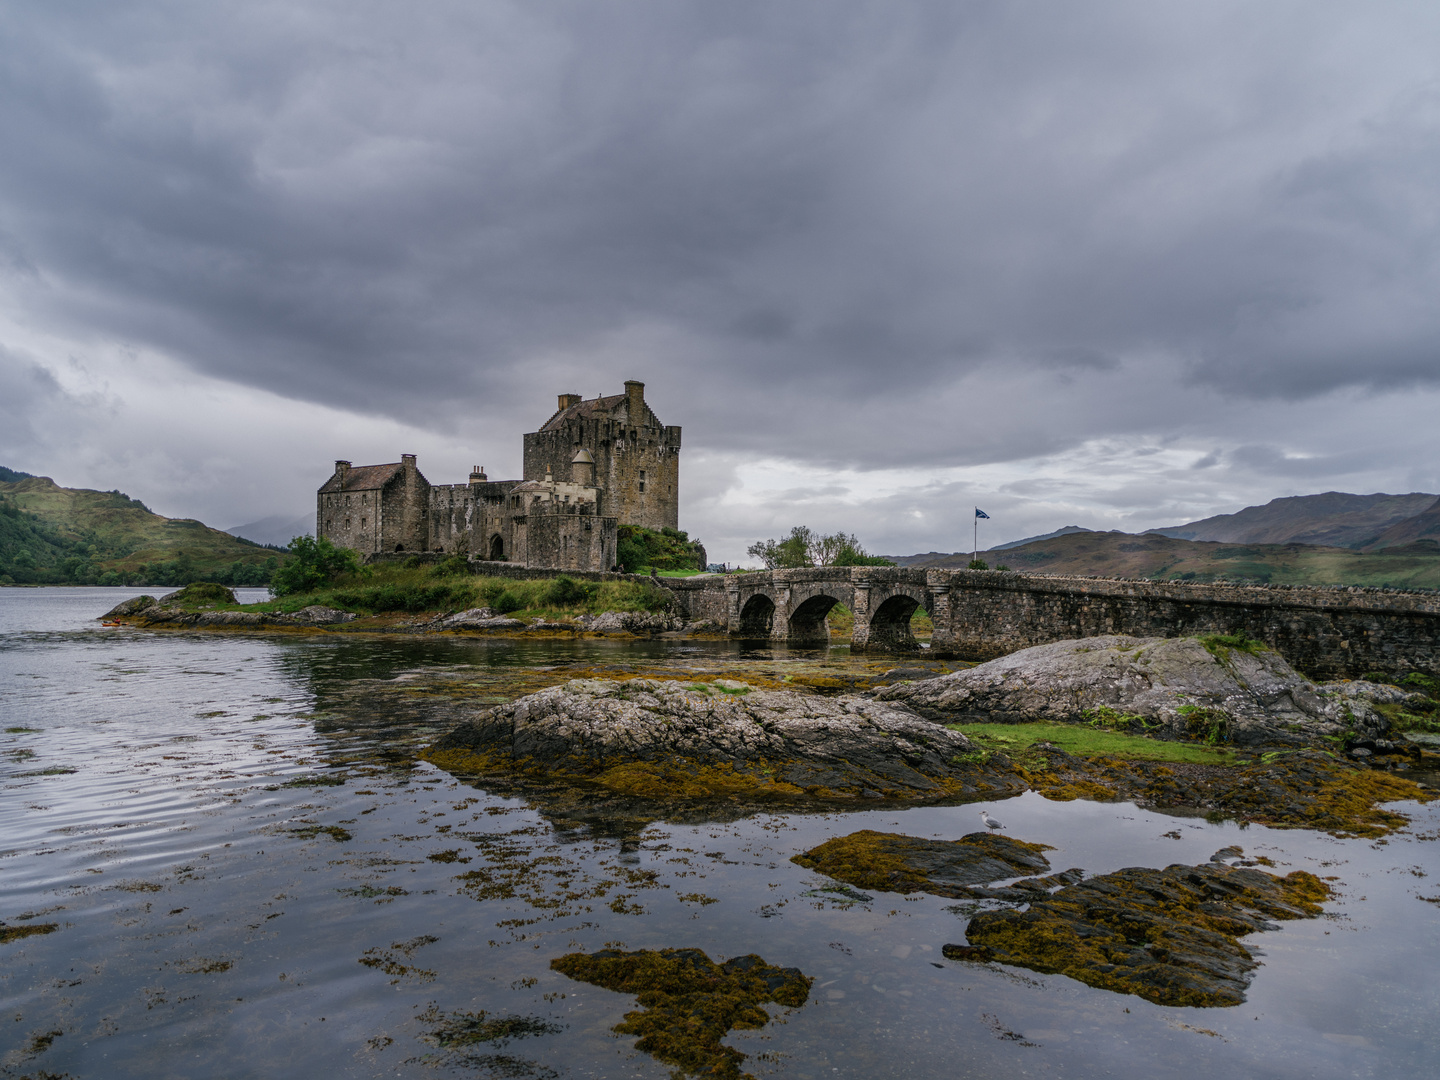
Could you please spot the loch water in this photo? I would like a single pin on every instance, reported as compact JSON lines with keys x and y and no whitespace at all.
{"x":226,"y":908}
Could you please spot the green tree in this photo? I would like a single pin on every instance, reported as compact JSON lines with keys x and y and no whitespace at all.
{"x":805,"y":547}
{"x":313,"y":564}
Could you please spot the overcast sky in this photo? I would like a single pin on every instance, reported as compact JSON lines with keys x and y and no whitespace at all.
{"x":1118,"y":265}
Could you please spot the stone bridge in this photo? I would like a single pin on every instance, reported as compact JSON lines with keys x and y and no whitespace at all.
{"x":791,"y":605}
{"x":982,"y":614}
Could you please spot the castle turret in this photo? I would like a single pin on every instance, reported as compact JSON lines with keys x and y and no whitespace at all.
{"x":582,"y":468}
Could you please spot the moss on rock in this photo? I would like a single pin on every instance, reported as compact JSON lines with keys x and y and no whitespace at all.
{"x":905,"y":864}
{"x":689,"y":1002}
{"x":1170,"y":936}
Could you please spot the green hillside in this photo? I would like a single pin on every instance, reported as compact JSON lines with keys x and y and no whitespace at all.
{"x":51,"y":535}
{"x":1164,"y":558}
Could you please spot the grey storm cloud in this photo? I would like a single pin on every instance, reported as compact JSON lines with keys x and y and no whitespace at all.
{"x":845,"y":220}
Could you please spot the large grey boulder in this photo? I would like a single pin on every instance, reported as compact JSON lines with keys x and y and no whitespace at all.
{"x":841,"y":745}
{"x":1176,"y":685}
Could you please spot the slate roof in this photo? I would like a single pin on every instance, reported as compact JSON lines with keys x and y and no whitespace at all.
{"x":604,"y":408}
{"x":363,"y":478}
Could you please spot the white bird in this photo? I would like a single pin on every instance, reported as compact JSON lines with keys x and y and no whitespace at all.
{"x":989,"y":821}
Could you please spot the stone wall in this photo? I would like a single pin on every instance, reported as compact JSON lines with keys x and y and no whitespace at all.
{"x":1324,"y":632}
{"x":979,"y":615}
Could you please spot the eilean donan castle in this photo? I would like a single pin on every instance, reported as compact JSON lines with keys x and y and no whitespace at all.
{"x":593,"y":466}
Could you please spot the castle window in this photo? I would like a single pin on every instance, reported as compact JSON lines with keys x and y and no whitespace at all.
{"x":642,"y":479}
{"x":362,"y":523}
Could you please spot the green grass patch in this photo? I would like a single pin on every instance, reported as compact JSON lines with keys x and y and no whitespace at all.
{"x":397,"y":588}
{"x":1018,"y":741}
{"x":1221,"y":645}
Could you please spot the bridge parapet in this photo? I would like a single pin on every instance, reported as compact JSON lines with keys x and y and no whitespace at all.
{"x":1324,"y":632}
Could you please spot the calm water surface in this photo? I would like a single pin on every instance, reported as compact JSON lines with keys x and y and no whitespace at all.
{"x":161,"y":800}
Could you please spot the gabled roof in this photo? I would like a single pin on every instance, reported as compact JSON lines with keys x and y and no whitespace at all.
{"x":603,"y":408}
{"x":363,"y":478}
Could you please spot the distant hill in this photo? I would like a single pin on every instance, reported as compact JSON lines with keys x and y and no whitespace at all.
{"x":1332,"y":519}
{"x":51,"y":535}
{"x":10,"y":476}
{"x":276,"y":529}
{"x":1422,"y":528}
{"x":1151,"y":555}
{"x":939,"y":559}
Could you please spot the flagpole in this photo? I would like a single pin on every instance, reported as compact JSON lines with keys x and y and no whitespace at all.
{"x":975,"y":540}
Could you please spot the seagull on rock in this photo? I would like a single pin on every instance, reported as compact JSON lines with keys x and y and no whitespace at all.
{"x":990,"y":822}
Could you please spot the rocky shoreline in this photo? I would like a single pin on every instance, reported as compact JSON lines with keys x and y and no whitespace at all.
{"x":1311,"y":752}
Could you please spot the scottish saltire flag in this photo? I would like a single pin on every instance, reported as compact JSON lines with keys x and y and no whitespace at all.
{"x":980,"y":513}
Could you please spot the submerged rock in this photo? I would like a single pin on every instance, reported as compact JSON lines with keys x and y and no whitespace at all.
{"x":664,"y":739}
{"x":953,"y":868}
{"x":1174,"y":687}
{"x":1170,"y":936}
{"x":689,"y":1002}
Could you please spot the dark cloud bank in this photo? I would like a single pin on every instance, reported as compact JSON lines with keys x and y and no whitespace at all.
{"x":850,"y":235}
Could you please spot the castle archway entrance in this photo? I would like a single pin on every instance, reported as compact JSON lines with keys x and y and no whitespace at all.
{"x":497,"y":548}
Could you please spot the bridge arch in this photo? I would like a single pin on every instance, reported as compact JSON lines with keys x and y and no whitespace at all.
{"x":757,"y":617}
{"x":884,"y":624}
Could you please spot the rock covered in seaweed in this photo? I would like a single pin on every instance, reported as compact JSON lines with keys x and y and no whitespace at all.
{"x":689,"y":1002}
{"x":1178,"y":687}
{"x":955,"y":868}
{"x":1170,"y":936}
{"x":663,"y":738}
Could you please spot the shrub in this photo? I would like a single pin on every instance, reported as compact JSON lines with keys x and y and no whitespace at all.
{"x":507,"y":602}
{"x":667,"y":549}
{"x":313,"y":564}
{"x":404,"y":597}
{"x":203,"y":592}
{"x":567,"y":592}
{"x":978,"y":564}
{"x":454,"y":566}
{"x":1210,"y":726}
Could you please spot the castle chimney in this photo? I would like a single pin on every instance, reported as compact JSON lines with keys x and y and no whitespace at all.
{"x":566,"y":400}
{"x":582,"y":468}
{"x":635,"y":401}
{"x":477,"y":474}
{"x":408,"y":460}
{"x":341,"y":468}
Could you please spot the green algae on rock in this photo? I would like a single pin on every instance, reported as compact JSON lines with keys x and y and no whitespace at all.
{"x":690,"y":1002}
{"x":1170,"y":936}
{"x":953,"y":868}
{"x":664,"y":739}
{"x":1302,"y":789}
{"x":16,"y":933}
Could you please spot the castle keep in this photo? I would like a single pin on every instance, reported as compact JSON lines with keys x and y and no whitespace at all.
{"x":593,"y":466}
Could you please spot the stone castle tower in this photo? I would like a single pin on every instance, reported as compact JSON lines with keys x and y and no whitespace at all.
{"x":593,"y":466}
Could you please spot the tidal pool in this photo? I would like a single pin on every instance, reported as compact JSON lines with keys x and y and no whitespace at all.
{"x":249,"y":874}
